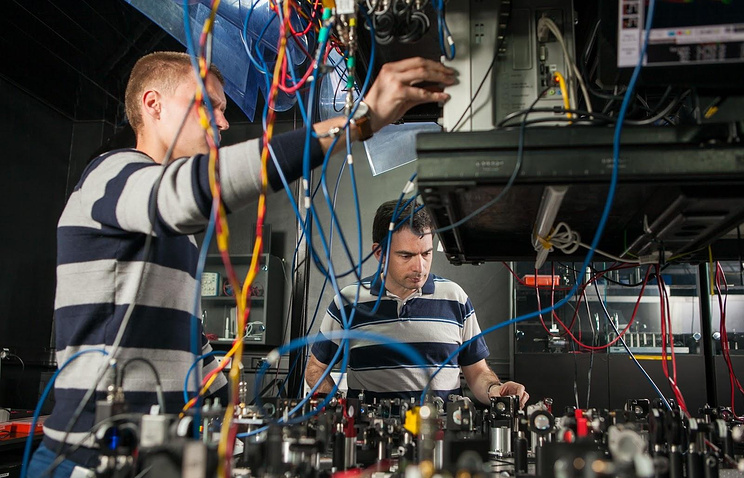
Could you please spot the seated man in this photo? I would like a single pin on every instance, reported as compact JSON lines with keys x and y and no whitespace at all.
{"x":431,"y":314}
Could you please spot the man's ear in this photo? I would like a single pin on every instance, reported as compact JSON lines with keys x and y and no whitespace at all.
{"x":377,"y":250}
{"x":151,"y":104}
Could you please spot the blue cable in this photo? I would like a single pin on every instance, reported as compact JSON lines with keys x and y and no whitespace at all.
{"x":322,"y":39}
{"x":602,"y":221}
{"x":325,"y":280}
{"x":383,"y":265}
{"x":191,"y":368}
{"x":404,"y":349}
{"x":42,"y":399}
{"x":195,"y":336}
{"x":195,"y":345}
{"x":443,"y":31}
{"x":244,"y":39}
{"x":195,"y":66}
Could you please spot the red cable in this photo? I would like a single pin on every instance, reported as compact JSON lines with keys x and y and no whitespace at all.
{"x":630,"y":322}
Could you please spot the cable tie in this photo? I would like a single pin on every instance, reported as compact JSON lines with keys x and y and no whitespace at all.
{"x":408,"y":188}
{"x":331,"y":133}
{"x":544,"y":242}
{"x":391,"y":226}
{"x":349,"y":159}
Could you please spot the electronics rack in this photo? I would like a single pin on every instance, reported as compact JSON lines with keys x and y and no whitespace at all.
{"x":679,"y":188}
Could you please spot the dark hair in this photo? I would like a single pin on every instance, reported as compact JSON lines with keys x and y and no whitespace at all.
{"x":163,"y":69}
{"x":419,"y":224}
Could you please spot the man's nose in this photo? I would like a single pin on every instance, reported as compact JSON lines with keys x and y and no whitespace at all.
{"x":222,"y":123}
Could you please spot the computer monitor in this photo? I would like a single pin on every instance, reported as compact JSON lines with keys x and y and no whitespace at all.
{"x":695,"y":43}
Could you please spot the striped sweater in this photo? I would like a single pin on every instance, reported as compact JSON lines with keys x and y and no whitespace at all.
{"x":435,"y":321}
{"x":101,"y":236}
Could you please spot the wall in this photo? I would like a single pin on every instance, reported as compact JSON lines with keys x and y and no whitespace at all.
{"x":36,"y":140}
{"x":36,"y":143}
{"x":46,"y":152}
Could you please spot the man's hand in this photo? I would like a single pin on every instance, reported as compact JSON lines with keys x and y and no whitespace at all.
{"x":510,"y":388}
{"x":394,"y":91}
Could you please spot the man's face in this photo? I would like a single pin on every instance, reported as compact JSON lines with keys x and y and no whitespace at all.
{"x":409,"y":261}
{"x":192,"y":138}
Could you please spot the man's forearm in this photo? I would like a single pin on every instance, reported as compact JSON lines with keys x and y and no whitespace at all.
{"x":483,"y":384}
{"x":314,"y":371}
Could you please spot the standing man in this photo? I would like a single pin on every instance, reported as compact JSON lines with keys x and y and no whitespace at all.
{"x":102,"y":267}
{"x":429,"y":313}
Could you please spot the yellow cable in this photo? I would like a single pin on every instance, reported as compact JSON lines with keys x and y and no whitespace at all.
{"x":222,"y":470}
{"x":564,"y":92}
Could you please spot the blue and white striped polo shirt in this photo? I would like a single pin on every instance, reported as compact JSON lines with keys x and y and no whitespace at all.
{"x":435,"y":321}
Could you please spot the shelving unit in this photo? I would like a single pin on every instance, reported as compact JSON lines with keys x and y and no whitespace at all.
{"x":266,"y":311}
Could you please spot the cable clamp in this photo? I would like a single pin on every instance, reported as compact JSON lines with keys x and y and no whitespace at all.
{"x":409,"y":187}
{"x":331,"y":133}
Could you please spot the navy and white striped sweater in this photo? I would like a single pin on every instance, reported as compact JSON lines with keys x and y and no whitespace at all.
{"x":101,"y":236}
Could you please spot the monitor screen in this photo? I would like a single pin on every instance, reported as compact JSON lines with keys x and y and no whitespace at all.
{"x":697,"y":43}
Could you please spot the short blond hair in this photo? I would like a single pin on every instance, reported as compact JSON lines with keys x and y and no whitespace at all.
{"x":163,"y":69}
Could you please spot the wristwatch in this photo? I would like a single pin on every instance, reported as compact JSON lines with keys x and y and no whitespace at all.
{"x":494,"y":384}
{"x":361,"y":120}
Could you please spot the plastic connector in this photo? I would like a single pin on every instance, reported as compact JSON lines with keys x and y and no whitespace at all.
{"x":654,"y":258}
{"x":543,"y":32}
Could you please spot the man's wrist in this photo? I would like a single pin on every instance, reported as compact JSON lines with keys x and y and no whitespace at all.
{"x":497,"y":383}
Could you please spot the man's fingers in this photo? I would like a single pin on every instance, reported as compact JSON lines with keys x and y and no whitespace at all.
{"x":412,"y":71}
{"x":523,"y":399}
{"x":420,"y":95}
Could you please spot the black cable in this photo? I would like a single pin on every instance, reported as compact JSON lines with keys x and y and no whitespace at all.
{"x":475,"y":95}
{"x":144,"y":361}
{"x":627,"y":349}
{"x":601,"y":273}
{"x":741,"y":264}
{"x":591,"y":351}
{"x":23,"y":365}
{"x":576,"y":371}
{"x":158,"y":387}
{"x":560,"y":120}
{"x":276,"y":382}
{"x":557,"y":110}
